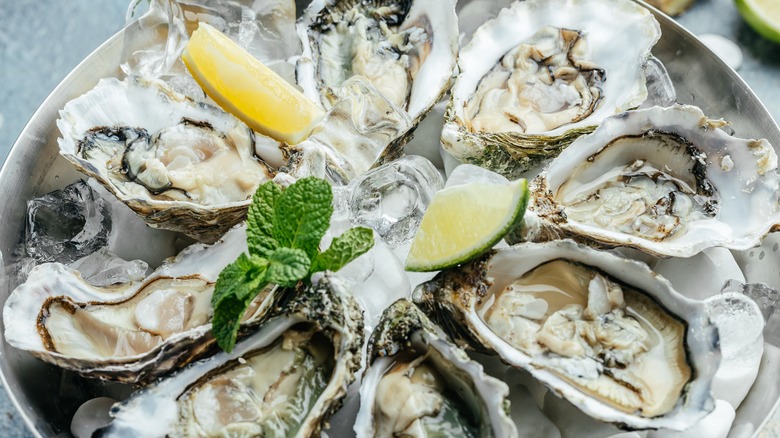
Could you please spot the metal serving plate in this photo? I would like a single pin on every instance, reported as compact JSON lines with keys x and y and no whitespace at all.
{"x":47,"y":397}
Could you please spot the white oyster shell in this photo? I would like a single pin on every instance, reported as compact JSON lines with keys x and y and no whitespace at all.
{"x":704,"y":189}
{"x":458,"y":299}
{"x":185,"y":166}
{"x":406,"y":339}
{"x":247,"y":392}
{"x":126,"y":332}
{"x":334,"y":37}
{"x":618,"y":35}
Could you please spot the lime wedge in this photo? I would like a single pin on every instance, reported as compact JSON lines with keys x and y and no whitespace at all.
{"x":464,"y":221}
{"x":246,"y":88}
{"x":763,"y":16}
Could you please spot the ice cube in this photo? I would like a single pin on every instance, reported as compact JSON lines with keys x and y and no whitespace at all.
{"x":701,"y":276}
{"x":760,"y":263}
{"x":104,"y":268}
{"x":132,"y":239}
{"x":767,"y":299}
{"x":469,"y":173}
{"x":356,"y":132}
{"x":377,"y":278}
{"x":392,"y":198}
{"x":91,"y":416}
{"x":265,"y":29}
{"x":67,"y":224}
{"x":740,"y":325}
{"x":660,"y":89}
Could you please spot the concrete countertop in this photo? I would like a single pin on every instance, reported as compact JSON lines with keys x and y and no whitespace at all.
{"x":41,"y":41}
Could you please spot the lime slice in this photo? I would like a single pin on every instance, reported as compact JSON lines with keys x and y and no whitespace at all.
{"x":246,"y":88}
{"x":763,"y":16}
{"x":464,"y":221}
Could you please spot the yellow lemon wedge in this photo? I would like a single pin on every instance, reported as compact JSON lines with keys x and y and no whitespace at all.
{"x":464,"y":221}
{"x":763,"y":16}
{"x":246,"y":88}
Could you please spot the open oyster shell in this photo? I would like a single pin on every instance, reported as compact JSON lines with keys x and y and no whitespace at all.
{"x":285,"y":379}
{"x":542,"y":73}
{"x":181,"y":165}
{"x":133,"y":332}
{"x":604,"y":332}
{"x":665,"y":181}
{"x":419,"y":383}
{"x":406,"y":49}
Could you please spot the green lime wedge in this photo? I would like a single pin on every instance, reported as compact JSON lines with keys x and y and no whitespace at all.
{"x":763,"y":16}
{"x":464,"y":221}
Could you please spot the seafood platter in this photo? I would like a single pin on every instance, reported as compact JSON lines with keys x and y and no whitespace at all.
{"x":635,"y":299}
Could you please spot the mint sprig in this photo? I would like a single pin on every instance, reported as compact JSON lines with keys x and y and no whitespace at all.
{"x":284,"y":229}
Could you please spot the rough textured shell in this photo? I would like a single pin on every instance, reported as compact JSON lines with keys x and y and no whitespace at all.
{"x":326,"y":304}
{"x":748,"y":190}
{"x":621,"y":34}
{"x":22,"y":310}
{"x":451,"y":298}
{"x":404,"y":327}
{"x":151,"y":105}
{"x":434,"y":76}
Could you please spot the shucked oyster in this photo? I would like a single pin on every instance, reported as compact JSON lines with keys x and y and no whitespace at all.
{"x":405,"y":49}
{"x":606,"y":333}
{"x":662,"y":180}
{"x":283,"y":380}
{"x":543,"y":73}
{"x":131,"y":332}
{"x":420,"y":384}
{"x":182,"y":166}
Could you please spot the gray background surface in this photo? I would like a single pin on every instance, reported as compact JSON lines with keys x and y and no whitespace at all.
{"x":42,"y":40}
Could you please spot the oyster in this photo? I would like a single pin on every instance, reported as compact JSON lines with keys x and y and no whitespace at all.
{"x":662,"y":180}
{"x":405,"y":49}
{"x":604,"y":332}
{"x":418,"y":383}
{"x":542,"y":73}
{"x":285,"y":379}
{"x":132,"y":332}
{"x":183,"y":166}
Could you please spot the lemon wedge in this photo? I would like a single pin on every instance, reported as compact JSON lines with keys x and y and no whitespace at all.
{"x":763,"y":16}
{"x":464,"y":221}
{"x":246,"y":88}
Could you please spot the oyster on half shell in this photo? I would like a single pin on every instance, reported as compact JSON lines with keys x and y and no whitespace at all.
{"x":405,"y":49}
{"x":542,"y":73}
{"x":665,"y":181}
{"x":132,"y":332}
{"x":604,"y":332}
{"x":285,"y":379}
{"x":418,"y":383}
{"x":181,"y":165}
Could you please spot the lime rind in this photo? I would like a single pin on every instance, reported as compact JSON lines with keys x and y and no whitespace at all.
{"x":757,"y":21}
{"x":512,"y":222}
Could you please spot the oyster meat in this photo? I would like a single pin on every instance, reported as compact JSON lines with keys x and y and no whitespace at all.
{"x":541,"y":74}
{"x":665,"y":181}
{"x":285,"y":379}
{"x":404,"y":49}
{"x":606,"y":333}
{"x":183,"y":166}
{"x":420,"y":384}
{"x":132,"y":332}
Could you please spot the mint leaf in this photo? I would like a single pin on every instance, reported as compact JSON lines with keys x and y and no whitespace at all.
{"x":350,"y":245}
{"x":237,"y":285}
{"x":302,"y":215}
{"x":260,"y":220}
{"x":287,"y":266}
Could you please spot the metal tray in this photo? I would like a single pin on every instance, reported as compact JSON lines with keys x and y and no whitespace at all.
{"x":34,"y":167}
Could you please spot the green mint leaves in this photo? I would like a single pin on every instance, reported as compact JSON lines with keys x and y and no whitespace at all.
{"x":284,"y":229}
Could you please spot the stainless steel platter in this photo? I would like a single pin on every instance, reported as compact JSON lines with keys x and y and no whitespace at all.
{"x":47,"y":397}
